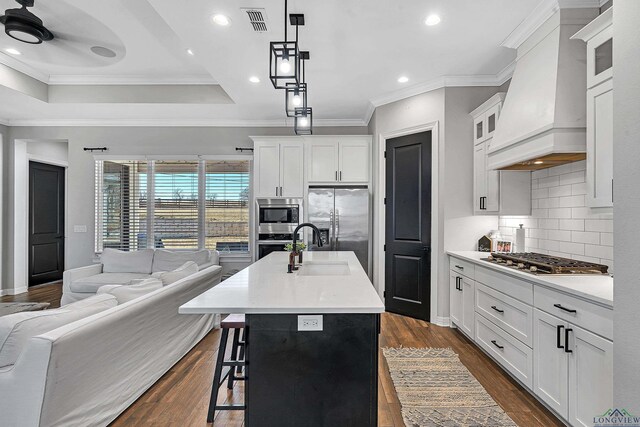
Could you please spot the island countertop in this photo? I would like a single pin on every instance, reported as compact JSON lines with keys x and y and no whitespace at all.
{"x":265,"y":287}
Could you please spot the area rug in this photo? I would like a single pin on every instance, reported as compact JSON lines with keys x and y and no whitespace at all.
{"x":436,"y":390}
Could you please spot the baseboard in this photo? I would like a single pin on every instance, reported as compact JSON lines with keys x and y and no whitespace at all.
{"x":442,"y":321}
{"x":15,"y":291}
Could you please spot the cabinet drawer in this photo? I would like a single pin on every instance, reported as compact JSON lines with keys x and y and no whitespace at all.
{"x":510,"y":314}
{"x":516,"y":288}
{"x":464,"y":268}
{"x":514,"y":356}
{"x":579,"y":312}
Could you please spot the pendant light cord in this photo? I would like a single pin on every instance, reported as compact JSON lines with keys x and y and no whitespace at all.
{"x":285,"y":21}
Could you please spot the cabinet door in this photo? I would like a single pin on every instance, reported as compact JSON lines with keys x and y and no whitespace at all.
{"x":491,"y":119}
{"x":455,"y":299}
{"x":600,"y":145}
{"x":550,"y":365}
{"x":479,"y":132}
{"x":468,"y":307}
{"x":480,"y":178}
{"x":492,"y":202}
{"x":354,"y":161}
{"x":323,"y":161}
{"x":267,"y":169}
{"x":590,"y":376}
{"x":291,"y":170}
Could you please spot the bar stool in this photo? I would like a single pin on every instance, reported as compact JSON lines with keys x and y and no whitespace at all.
{"x":235,"y":364}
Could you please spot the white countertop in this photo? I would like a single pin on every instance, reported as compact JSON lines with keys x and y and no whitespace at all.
{"x":595,"y":288}
{"x":265,"y":287}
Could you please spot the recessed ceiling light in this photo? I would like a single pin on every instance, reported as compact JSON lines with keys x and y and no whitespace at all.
{"x":403,"y":79}
{"x":254,"y":79}
{"x":432,"y":20}
{"x":538,"y":162}
{"x":221,"y":20}
{"x":190,"y":52}
{"x":13,"y":51}
{"x":103,"y":51}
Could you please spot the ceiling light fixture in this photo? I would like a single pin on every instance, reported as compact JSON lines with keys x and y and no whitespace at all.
{"x":303,"y":121}
{"x":538,"y":162}
{"x":13,"y":51}
{"x":432,"y":20}
{"x":190,"y":52}
{"x":254,"y":79}
{"x":403,"y":79}
{"x":221,"y":20}
{"x":284,"y":56}
{"x":23,"y":25}
{"x":296,"y":94}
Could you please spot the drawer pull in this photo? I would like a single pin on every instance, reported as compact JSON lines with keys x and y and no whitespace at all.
{"x":496,"y":344}
{"x":497,"y":309}
{"x":568,"y":310}
{"x":559,"y":328}
{"x":566,"y":340}
{"x":459,"y":267}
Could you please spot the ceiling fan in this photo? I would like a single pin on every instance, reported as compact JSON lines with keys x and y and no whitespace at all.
{"x":23,"y":25}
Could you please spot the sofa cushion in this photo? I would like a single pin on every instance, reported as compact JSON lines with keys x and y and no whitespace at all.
{"x":115,"y":261}
{"x":17,"y":329}
{"x":91,"y":284}
{"x":125,"y":293}
{"x":164,"y":260}
{"x":185,"y":270}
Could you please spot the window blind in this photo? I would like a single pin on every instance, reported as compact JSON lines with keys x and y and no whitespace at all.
{"x":175,"y":210}
{"x":121,"y":212}
{"x":227,"y":205}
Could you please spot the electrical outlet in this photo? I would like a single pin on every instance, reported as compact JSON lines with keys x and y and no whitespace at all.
{"x":310,"y":322}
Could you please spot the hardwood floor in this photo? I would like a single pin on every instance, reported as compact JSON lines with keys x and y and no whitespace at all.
{"x":181,"y":396}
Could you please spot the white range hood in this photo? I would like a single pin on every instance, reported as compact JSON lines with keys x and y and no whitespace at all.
{"x":543,"y":119}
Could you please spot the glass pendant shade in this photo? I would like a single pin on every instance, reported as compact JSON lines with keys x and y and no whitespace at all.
{"x":303,"y":121}
{"x":295,"y":97}
{"x":284,"y":64}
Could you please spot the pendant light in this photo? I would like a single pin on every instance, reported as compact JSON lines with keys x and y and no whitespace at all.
{"x":303,"y":121}
{"x":296,"y":94}
{"x":284,"y":56}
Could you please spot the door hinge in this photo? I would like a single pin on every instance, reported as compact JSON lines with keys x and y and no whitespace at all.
{"x":385,"y":200}
{"x":384,"y":294}
{"x":385,"y":154}
{"x":384,"y":248}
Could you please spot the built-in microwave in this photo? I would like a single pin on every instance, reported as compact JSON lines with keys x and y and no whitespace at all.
{"x":279,"y":211}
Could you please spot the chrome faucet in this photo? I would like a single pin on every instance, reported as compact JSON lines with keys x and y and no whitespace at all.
{"x":294,"y":248}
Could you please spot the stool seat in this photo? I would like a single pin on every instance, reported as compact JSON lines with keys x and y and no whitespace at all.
{"x":233,"y":321}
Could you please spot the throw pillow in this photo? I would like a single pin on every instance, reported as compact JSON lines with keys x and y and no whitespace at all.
{"x":164,"y":260}
{"x":186,"y":269}
{"x":125,"y":293}
{"x":16,"y":329}
{"x":115,"y":261}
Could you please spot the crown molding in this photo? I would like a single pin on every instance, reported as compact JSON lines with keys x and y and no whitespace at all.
{"x":179,"y":123}
{"x":4,"y":122}
{"x":130,"y":80}
{"x":20,"y":66}
{"x":369,"y":113}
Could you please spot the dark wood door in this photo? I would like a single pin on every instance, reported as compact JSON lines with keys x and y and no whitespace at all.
{"x":46,"y":223}
{"x":408,"y":225}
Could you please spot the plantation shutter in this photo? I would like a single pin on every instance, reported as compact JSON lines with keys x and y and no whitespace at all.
{"x":227,"y":206}
{"x":175,"y":206}
{"x":121,"y":212}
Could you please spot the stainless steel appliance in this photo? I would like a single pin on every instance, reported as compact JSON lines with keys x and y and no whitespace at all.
{"x":342,"y":215}
{"x":535,"y":263}
{"x":276,"y":220}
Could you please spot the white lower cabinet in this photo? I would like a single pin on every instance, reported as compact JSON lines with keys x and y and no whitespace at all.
{"x":462,"y":303}
{"x":572,"y":369}
{"x":455,"y":299}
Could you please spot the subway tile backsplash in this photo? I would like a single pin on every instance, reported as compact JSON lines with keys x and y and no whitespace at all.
{"x":560,"y":223}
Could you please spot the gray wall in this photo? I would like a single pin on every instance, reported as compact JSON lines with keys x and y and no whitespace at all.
{"x":626,"y":108}
{"x":126,"y":141}
{"x":457,"y":228}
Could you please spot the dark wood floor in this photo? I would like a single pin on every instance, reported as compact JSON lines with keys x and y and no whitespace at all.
{"x":180,"y":397}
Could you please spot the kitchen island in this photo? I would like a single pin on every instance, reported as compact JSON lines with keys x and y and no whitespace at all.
{"x":311,"y":339}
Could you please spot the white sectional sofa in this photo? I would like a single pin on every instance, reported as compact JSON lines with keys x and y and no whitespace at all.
{"x":120,"y":268}
{"x":88,"y":372}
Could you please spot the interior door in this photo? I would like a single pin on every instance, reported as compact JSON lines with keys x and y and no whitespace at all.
{"x":408,"y":225}
{"x":46,"y":223}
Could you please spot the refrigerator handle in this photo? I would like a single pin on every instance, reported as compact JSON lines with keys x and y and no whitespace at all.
{"x":332,"y":230}
{"x":337,"y":227}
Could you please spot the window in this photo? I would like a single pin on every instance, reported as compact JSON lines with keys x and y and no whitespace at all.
{"x":173,"y":204}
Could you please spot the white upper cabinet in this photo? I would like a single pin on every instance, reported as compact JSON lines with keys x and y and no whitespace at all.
{"x":339,"y":160}
{"x":598,"y":34}
{"x":278,"y":168}
{"x":485,"y":118}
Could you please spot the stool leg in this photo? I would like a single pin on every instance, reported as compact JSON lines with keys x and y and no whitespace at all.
{"x":234,"y":357}
{"x":217,"y":374}
{"x":242,"y":346}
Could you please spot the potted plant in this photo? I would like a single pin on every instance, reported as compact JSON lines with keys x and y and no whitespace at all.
{"x":299,"y":248}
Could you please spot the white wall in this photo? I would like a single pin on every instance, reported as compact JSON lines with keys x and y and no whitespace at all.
{"x":4,"y":137}
{"x":626,"y":173}
{"x":125,"y":141}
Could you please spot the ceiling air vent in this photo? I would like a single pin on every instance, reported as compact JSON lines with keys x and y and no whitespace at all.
{"x":257,"y":19}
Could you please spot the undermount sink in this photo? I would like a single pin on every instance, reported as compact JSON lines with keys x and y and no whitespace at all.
{"x":313,"y":268}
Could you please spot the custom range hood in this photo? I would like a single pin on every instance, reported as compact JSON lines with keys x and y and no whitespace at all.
{"x":542,"y":122}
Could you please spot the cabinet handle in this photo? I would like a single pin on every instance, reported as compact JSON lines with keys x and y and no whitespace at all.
{"x":340,"y":175}
{"x":566,"y":340}
{"x":568,"y":310}
{"x":459,"y":267}
{"x":276,"y":191}
{"x":496,"y":344}
{"x":280,"y":191}
{"x":336,"y":175}
{"x":559,"y":328}
{"x":497,"y":309}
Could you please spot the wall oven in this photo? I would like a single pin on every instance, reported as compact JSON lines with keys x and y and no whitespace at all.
{"x":276,"y":220}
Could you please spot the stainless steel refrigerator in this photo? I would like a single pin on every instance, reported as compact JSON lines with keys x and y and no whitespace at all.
{"x":343,"y":217}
